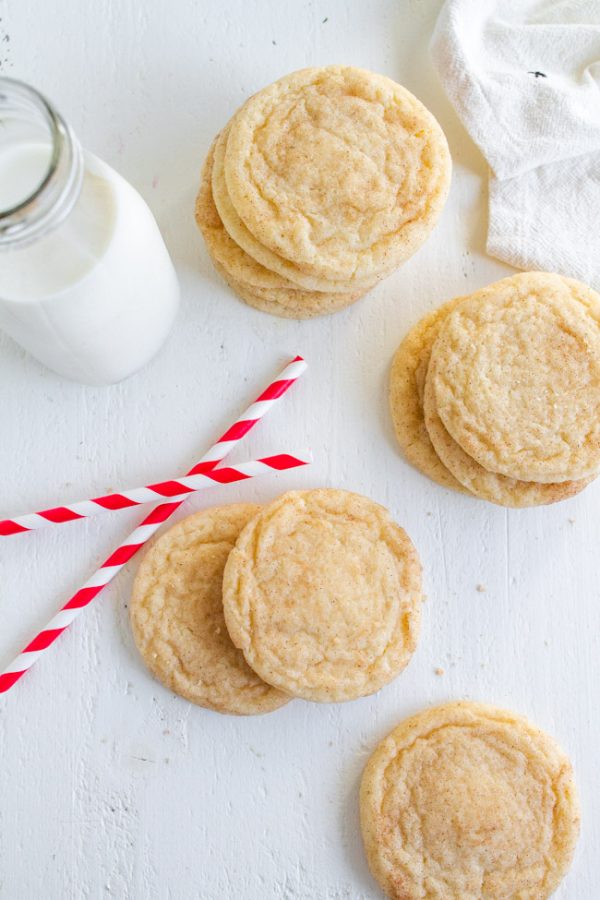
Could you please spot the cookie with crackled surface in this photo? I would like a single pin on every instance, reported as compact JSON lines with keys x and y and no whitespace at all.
{"x":468,"y":802}
{"x":341,"y":171}
{"x":515,"y":374}
{"x":265,"y":258}
{"x":257,"y":286}
{"x":322,"y":593}
{"x":428,"y":445}
{"x":221,"y":246}
{"x":176,"y":614}
{"x":500,"y":489}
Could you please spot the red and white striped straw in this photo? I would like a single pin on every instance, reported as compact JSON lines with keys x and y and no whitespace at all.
{"x":173,"y":489}
{"x":146,"y":529}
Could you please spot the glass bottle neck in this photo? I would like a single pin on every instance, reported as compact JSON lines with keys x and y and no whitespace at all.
{"x":41,"y":165}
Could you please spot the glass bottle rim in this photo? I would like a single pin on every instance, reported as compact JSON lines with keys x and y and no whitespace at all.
{"x":52,"y":199}
{"x":52,"y":120}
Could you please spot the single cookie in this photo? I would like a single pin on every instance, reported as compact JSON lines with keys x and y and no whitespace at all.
{"x":516,"y":378}
{"x":176,"y":614}
{"x":322,"y":593}
{"x":287,"y":303}
{"x":468,"y":802}
{"x":253,"y":248}
{"x":407,"y":381}
{"x":488,"y":485}
{"x":339,"y":170}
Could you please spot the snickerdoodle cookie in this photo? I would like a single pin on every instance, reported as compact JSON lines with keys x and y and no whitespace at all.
{"x":177,"y":615}
{"x":515,"y":374}
{"x":222,"y":248}
{"x":487,"y":485}
{"x":339,"y":170}
{"x":468,"y":802}
{"x":322,"y":593}
{"x":287,"y":271}
{"x":258,"y":286}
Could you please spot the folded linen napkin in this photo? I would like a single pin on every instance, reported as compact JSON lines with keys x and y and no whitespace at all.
{"x":524,"y":77}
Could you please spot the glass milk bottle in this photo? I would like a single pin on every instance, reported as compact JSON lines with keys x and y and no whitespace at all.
{"x":86,"y":282}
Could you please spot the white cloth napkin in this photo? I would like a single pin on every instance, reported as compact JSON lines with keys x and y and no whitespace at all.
{"x":524,"y":77}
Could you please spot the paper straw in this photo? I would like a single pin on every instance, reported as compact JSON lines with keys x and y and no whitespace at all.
{"x":173,"y":489}
{"x":115,"y":562}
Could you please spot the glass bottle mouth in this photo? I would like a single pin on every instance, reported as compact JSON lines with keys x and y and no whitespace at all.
{"x":23,"y":109}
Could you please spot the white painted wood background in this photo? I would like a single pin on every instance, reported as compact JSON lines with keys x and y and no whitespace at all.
{"x":110,"y":786}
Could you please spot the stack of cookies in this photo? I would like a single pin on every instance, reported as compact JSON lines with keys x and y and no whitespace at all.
{"x":319,"y":186}
{"x":498,"y":394}
{"x":317,"y":595}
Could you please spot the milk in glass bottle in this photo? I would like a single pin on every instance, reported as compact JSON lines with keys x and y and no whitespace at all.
{"x":86,"y":282}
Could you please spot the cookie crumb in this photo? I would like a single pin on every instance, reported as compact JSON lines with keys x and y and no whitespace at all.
{"x":480,"y":588}
{"x":439,"y":671}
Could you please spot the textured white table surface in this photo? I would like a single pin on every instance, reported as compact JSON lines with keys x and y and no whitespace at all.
{"x":110,"y":786}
